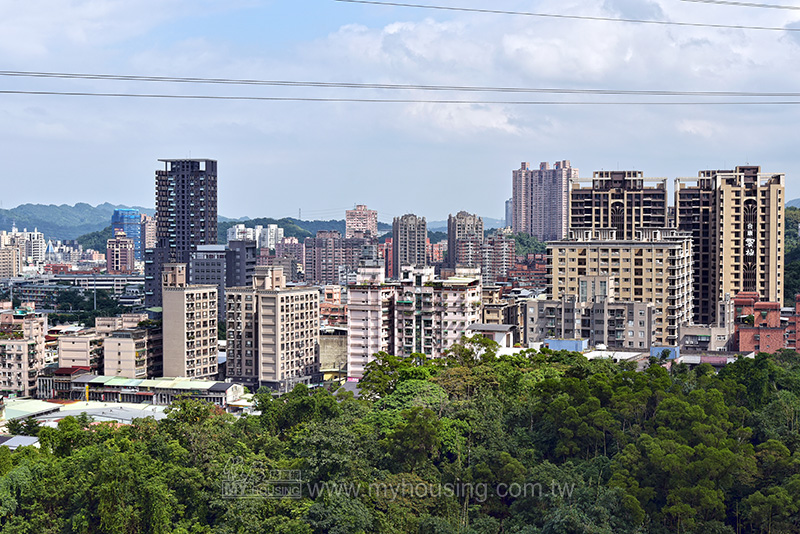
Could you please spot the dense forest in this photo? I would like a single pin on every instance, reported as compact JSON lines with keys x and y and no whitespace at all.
{"x":540,"y":442}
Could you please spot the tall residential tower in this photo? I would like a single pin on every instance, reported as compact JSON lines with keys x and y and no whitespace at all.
{"x":540,"y":200}
{"x":186,"y":216}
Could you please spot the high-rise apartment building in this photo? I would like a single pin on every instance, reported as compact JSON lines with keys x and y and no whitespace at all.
{"x":120,"y":254}
{"x":409,"y":240}
{"x":498,"y":254}
{"x":329,"y":258}
{"x":190,"y":325}
{"x":655,"y":266}
{"x":186,"y":216}
{"x":290,"y":247}
{"x":541,"y":199}
{"x":273,"y":332}
{"x":271,"y":236}
{"x":208,"y":265}
{"x":468,"y":227}
{"x":134,"y":353}
{"x":621,"y":200}
{"x":9,"y":262}
{"x":147,"y":232}
{"x":323,"y":256}
{"x":509,"y":221}
{"x":239,"y":232}
{"x":129,"y":222}
{"x":370,"y":318}
{"x":361,"y":222}
{"x":736,"y":219}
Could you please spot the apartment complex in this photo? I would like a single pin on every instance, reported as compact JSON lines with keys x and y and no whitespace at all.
{"x":224,"y":266}
{"x":736,"y":219}
{"x":540,"y":200}
{"x":186,"y":216}
{"x":22,"y":349}
{"x":464,"y":228}
{"x":654,"y":267}
{"x":409,"y":242}
{"x":593,"y":314}
{"x":361,"y":222}
{"x":621,"y":200}
{"x":190,"y":325}
{"x":370,"y":318}
{"x":273,"y":332}
{"x":120,"y":254}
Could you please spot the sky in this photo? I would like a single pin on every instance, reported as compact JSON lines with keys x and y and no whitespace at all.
{"x":279,"y":159}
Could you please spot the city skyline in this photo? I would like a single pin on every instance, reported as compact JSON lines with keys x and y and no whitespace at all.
{"x":263,"y":144}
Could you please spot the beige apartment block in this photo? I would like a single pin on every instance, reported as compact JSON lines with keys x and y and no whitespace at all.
{"x":736,"y":219}
{"x":190,"y":325}
{"x":22,"y":350}
{"x":655,"y":267}
{"x":9,"y":262}
{"x":131,"y":353}
{"x":82,"y":349}
{"x":125,"y":321}
{"x":273,"y":332}
{"x":623,"y":200}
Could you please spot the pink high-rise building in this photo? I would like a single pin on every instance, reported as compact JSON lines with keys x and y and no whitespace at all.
{"x":361,"y":222}
{"x":541,"y":200}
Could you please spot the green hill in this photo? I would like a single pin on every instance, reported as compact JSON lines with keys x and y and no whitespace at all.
{"x":61,"y":222}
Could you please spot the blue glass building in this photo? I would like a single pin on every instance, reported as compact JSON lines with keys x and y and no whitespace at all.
{"x":130,"y":222}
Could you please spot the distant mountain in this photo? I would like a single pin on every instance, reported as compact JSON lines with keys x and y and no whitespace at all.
{"x":488,"y":224}
{"x":61,"y":222}
{"x":793,"y":203}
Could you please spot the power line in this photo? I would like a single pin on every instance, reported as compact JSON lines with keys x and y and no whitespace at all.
{"x":742,"y":4}
{"x":402,"y":100}
{"x":574,"y":17}
{"x":385,"y":86}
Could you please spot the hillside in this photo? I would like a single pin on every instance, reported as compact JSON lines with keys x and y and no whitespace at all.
{"x":61,"y":222}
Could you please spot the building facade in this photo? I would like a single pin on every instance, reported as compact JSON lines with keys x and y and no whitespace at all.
{"x":655,"y":267}
{"x":361,"y":222}
{"x":186,"y":216}
{"x":409,"y":242}
{"x":621,"y":200}
{"x":129,"y":222}
{"x":736,"y":219}
{"x":190,"y":325}
{"x":469,"y":228}
{"x":370,"y":318}
{"x":273,"y":332}
{"x":120,"y":254}
{"x":22,"y":349}
{"x":540,"y":200}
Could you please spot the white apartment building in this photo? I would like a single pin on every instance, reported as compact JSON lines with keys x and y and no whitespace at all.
{"x":370,"y":318}
{"x":418,"y":314}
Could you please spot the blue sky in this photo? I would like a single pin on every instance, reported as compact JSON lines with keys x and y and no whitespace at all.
{"x":430,"y":159}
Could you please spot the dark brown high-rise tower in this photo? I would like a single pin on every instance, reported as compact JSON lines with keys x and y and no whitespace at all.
{"x":186,"y":216}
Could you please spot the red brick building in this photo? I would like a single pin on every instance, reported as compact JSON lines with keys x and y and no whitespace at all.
{"x":759,"y":326}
